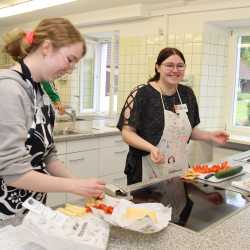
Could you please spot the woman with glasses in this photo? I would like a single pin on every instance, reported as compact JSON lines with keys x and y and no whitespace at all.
{"x":29,"y":166}
{"x":157,"y":121}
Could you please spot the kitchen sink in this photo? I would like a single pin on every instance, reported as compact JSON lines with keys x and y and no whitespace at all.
{"x":63,"y":132}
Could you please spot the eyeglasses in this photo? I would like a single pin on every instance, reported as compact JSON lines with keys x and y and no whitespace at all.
{"x":70,"y":61}
{"x":171,"y":66}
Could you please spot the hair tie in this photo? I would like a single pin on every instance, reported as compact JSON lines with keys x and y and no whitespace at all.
{"x":29,"y":37}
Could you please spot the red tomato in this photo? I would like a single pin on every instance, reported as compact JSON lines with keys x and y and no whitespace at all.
{"x":88,"y":210}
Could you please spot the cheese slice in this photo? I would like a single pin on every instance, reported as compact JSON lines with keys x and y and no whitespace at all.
{"x":66,"y":212}
{"x":137,"y":213}
{"x":72,"y":210}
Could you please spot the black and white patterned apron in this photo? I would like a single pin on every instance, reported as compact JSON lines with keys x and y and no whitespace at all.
{"x":39,"y":143}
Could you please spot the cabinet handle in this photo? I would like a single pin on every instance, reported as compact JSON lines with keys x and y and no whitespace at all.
{"x":118,"y":141}
{"x":120,"y":152}
{"x":78,"y":159}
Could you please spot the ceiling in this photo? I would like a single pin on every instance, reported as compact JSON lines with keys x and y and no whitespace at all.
{"x":79,"y":6}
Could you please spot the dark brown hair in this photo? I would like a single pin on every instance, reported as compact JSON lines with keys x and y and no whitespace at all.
{"x":60,"y":31}
{"x":163,"y":55}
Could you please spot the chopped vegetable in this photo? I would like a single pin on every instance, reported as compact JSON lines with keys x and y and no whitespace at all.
{"x":205,"y":169}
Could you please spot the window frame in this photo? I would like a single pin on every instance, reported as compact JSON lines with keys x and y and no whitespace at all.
{"x":233,"y":73}
{"x":96,"y":79}
{"x":98,"y":72}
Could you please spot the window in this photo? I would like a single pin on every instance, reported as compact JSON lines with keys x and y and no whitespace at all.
{"x":240,"y":108}
{"x":99,"y":75}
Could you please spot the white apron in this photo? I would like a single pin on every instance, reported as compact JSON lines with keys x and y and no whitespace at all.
{"x":173,"y":144}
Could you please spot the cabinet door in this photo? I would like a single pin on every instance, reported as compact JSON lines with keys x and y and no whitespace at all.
{"x":119,"y":179}
{"x":57,"y":199}
{"x":83,"y":164}
{"x":82,"y":145}
{"x":61,"y":147}
{"x":112,"y":160}
{"x":111,"y":141}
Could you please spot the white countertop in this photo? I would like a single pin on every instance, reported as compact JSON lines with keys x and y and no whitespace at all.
{"x":87,"y":129}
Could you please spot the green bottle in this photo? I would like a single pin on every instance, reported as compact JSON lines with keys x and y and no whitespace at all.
{"x":49,"y":88}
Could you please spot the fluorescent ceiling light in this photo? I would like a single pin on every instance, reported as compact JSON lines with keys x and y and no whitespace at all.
{"x":29,"y":6}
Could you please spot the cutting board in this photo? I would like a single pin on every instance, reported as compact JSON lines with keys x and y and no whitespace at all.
{"x":215,"y":180}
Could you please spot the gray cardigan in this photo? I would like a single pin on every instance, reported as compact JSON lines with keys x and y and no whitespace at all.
{"x":16,"y":116}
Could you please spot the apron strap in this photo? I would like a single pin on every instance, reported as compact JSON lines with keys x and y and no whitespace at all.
{"x":164,"y":107}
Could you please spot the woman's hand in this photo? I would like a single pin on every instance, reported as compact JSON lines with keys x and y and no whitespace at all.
{"x":220,"y":137}
{"x":156,"y":155}
{"x":88,"y":187}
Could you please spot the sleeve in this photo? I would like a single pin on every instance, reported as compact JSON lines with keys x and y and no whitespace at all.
{"x":132,"y":110}
{"x":195,"y":110}
{"x":14,"y":158}
{"x":51,"y":155}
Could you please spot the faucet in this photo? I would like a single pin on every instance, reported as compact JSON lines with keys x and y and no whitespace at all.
{"x":71,"y":113}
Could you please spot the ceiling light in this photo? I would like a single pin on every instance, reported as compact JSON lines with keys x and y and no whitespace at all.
{"x":29,"y":6}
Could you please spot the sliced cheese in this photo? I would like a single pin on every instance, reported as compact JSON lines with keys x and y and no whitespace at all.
{"x":66,"y":212}
{"x":137,"y":213}
{"x":73,"y":210}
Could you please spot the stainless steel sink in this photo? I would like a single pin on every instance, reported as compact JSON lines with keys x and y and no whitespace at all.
{"x":67,"y":119}
{"x":63,"y":132}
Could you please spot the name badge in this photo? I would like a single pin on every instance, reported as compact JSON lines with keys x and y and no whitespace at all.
{"x":181,"y":108}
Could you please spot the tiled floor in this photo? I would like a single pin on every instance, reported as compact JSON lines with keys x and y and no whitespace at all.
{"x":205,"y":213}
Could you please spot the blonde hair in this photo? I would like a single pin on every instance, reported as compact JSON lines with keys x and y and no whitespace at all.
{"x":60,"y":31}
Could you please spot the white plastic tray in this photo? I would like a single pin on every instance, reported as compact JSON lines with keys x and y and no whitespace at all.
{"x":215,"y":180}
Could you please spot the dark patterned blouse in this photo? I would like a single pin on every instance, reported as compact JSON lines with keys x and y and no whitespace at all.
{"x":143,"y":111}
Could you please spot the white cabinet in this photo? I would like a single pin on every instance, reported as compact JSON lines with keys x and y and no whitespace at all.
{"x":113,"y":153}
{"x":119,"y":179}
{"x":61,"y":148}
{"x":102,"y":157}
{"x":56,"y":199}
{"x":82,"y":145}
{"x":84,"y":165}
{"x":112,"y":160}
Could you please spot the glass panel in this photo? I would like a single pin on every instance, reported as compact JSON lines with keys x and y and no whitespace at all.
{"x":87,"y":79}
{"x":242,"y":100}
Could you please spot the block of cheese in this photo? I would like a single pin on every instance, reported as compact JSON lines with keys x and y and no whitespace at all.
{"x":136,"y":213}
{"x":72,"y":210}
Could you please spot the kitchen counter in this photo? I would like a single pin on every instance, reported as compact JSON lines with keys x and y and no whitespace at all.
{"x":86,"y":129}
{"x":231,"y":233}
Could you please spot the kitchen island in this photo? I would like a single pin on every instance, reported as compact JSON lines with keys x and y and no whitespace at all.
{"x":232,"y":233}
{"x":228,"y":232}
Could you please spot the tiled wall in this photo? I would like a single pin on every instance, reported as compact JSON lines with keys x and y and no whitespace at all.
{"x":138,"y":56}
{"x":206,"y":58}
{"x":137,"y":59}
{"x":213,"y":80}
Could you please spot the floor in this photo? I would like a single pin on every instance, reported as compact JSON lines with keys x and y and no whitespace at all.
{"x":205,"y":213}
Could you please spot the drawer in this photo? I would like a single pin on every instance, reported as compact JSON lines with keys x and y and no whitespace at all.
{"x":82,"y":145}
{"x":84,"y":165}
{"x":119,"y":179}
{"x":112,"y":160}
{"x":111,"y":141}
{"x":61,"y":147}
